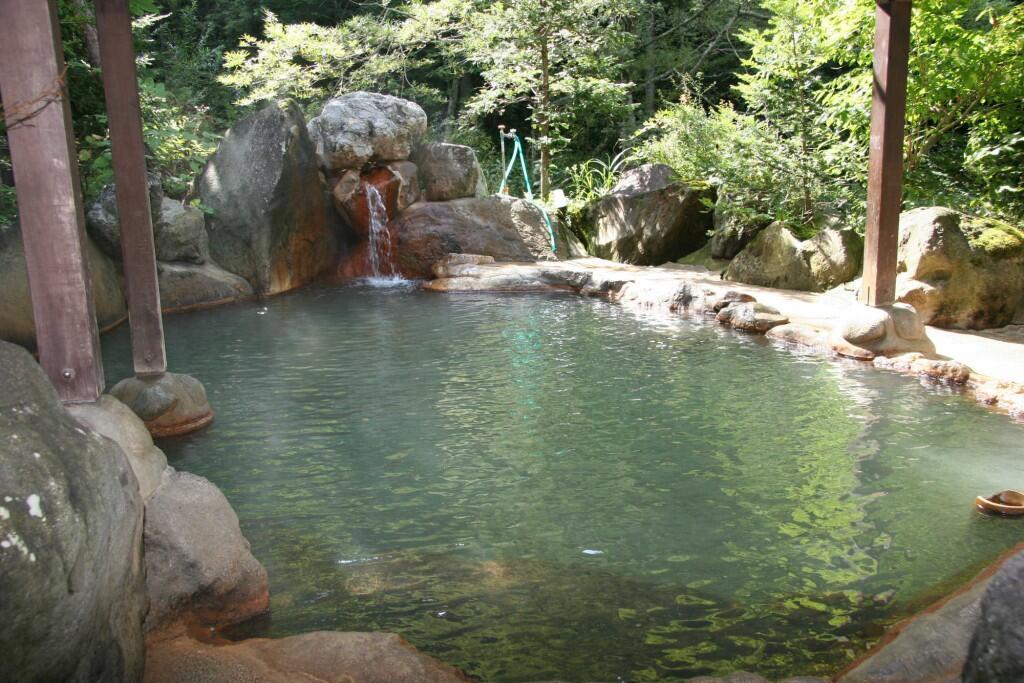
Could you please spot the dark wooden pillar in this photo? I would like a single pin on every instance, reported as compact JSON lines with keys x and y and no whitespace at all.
{"x":120,"y":86}
{"x":885,"y":163}
{"x":49,"y":197}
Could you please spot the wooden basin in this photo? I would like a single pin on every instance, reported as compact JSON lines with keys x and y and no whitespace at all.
{"x":1008,"y":502}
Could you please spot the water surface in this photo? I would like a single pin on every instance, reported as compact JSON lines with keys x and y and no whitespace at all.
{"x":543,"y":487}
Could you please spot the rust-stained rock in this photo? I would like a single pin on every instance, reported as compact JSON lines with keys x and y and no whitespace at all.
{"x":503,"y":227}
{"x":345,"y":657}
{"x":170,"y":404}
{"x":200,"y":572}
{"x":268,"y":220}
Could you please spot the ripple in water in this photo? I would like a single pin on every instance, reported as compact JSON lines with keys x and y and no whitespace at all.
{"x":535,"y":488}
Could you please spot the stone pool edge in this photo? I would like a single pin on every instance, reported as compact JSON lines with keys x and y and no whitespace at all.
{"x":810,"y":322}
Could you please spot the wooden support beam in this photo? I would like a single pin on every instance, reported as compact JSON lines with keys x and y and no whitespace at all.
{"x":885,"y":161}
{"x":121,"y":90}
{"x":39,"y":131}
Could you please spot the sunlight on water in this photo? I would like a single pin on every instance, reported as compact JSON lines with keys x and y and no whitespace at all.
{"x":542,"y":487}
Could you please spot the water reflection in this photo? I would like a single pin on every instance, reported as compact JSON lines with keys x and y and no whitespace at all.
{"x":539,"y":487}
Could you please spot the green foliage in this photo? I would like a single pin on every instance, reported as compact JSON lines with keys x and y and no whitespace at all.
{"x":592,"y":179}
{"x":586,"y":182}
{"x":761,"y":173}
{"x":798,"y":151}
{"x":179,"y":139}
{"x":561,"y":59}
{"x":309,"y":62}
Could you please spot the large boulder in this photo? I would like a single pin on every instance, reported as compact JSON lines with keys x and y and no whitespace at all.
{"x":200,"y":572}
{"x":72,"y":590}
{"x":504,"y":227}
{"x":449,"y":172}
{"x":777,"y":258}
{"x":360,"y":127}
{"x":996,"y":652}
{"x":734,"y":228}
{"x":410,"y":191}
{"x":960,"y":271}
{"x":650,"y":218}
{"x":104,"y":225}
{"x":181,"y":233}
{"x":16,"y":319}
{"x":268,"y":220}
{"x":114,"y":420}
{"x":184,"y":286}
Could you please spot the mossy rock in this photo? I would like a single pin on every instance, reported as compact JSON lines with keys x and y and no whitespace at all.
{"x":996,"y":238}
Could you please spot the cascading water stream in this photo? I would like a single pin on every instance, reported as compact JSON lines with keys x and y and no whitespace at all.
{"x":381,"y":254}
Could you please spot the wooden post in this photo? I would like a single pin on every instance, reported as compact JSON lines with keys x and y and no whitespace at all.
{"x":120,"y":87}
{"x":885,"y":162}
{"x":49,"y":197}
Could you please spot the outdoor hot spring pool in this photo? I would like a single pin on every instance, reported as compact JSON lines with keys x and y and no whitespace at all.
{"x":540,"y":487}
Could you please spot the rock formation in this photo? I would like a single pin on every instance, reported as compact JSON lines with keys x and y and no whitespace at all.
{"x":649,"y":218}
{"x":776,"y":258}
{"x":16,"y":320}
{"x":268,"y":220}
{"x":449,"y":172}
{"x":500,"y":226}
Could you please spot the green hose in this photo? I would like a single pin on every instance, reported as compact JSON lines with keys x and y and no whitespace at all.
{"x":517,"y":151}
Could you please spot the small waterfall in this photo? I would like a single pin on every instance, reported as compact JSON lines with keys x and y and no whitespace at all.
{"x":381,"y":250}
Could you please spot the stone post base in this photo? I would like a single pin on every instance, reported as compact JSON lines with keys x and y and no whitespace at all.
{"x":170,"y":404}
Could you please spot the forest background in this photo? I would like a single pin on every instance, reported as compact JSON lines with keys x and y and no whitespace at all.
{"x":767,"y":99}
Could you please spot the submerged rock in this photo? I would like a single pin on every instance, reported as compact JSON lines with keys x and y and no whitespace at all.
{"x":649,"y":218}
{"x":268,"y":221}
{"x":449,"y":172}
{"x":318,"y":656}
{"x":199,"y":568}
{"x":359,"y":127}
{"x":17,"y":323}
{"x":71,"y":576}
{"x":504,"y":227}
{"x":776,"y":258}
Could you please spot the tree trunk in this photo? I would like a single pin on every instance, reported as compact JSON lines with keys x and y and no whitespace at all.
{"x":453,"y":108}
{"x":650,"y":74}
{"x":545,"y":118}
{"x":91,"y":38}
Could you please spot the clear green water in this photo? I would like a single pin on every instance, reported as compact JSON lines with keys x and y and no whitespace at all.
{"x":542,"y":487}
